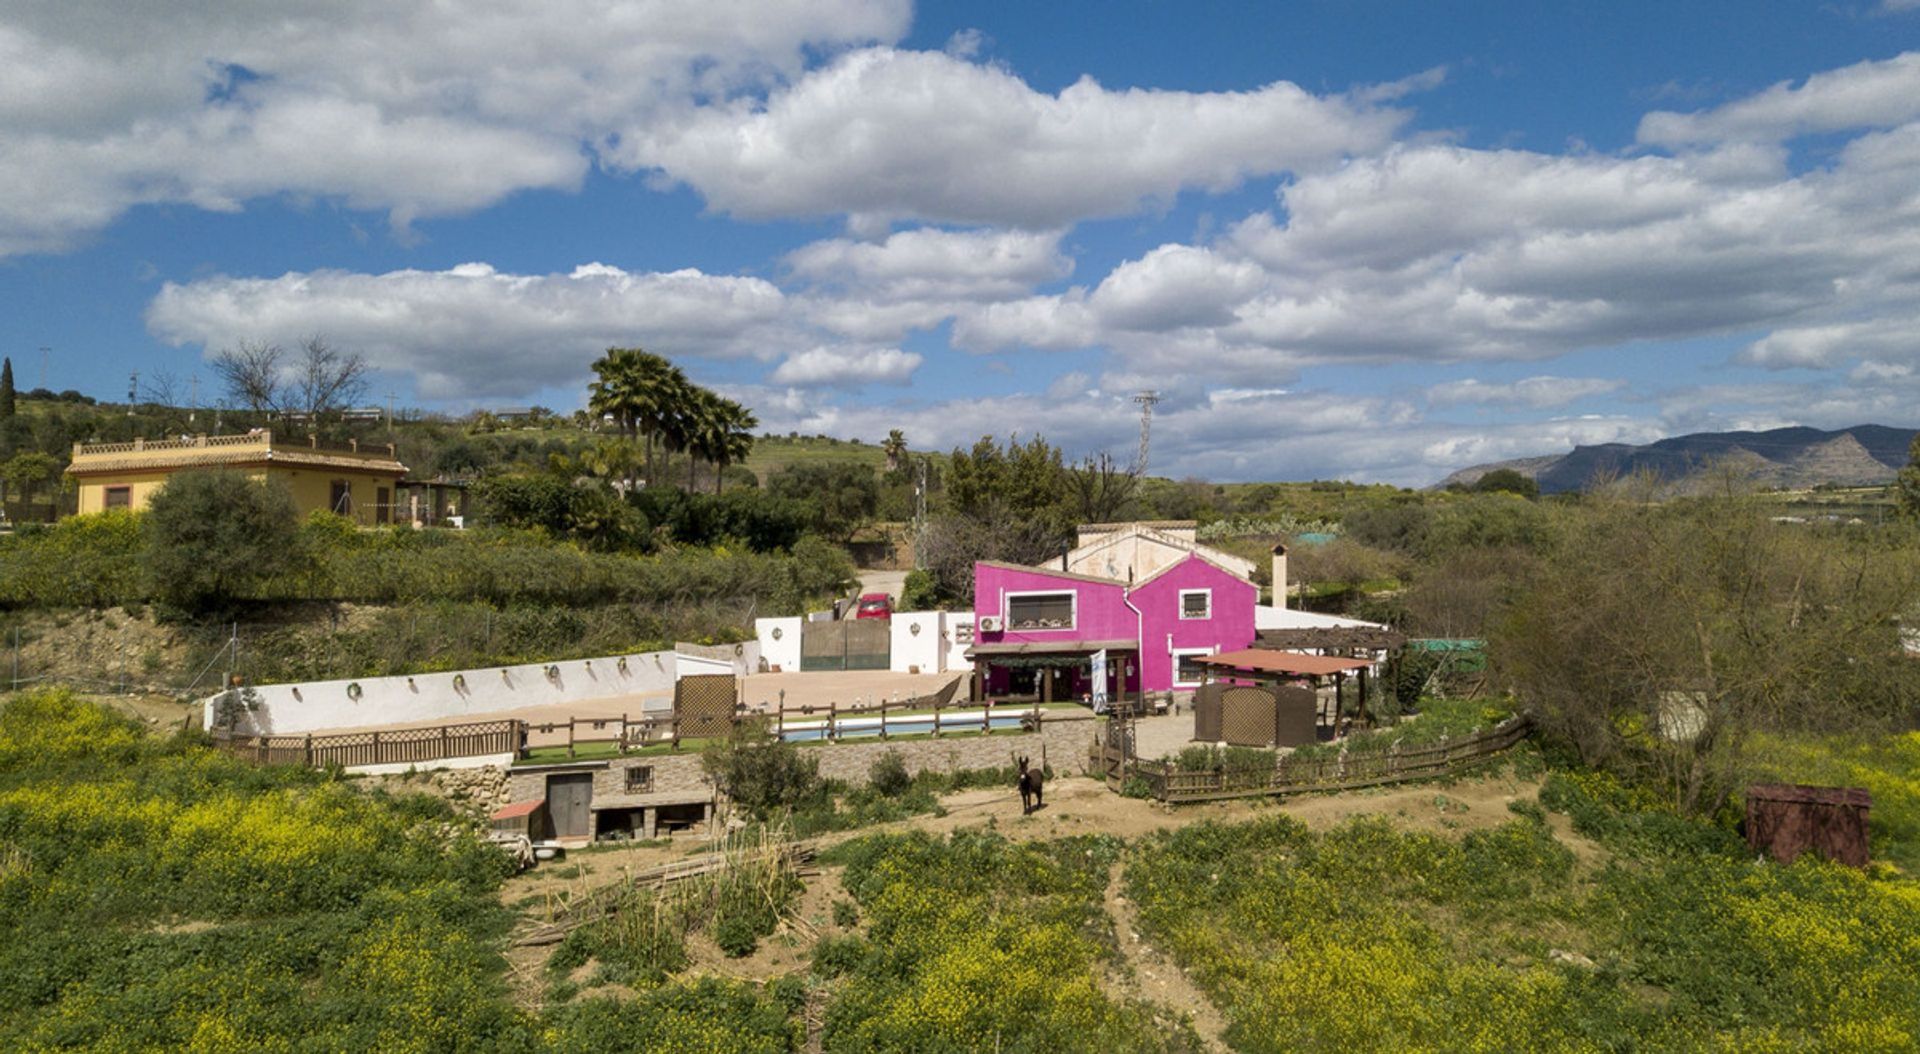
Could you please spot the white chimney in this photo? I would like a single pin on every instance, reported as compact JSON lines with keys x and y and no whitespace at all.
{"x":1280,"y":576}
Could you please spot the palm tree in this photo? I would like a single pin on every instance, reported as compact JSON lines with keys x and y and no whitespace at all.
{"x":895,"y":448}
{"x":731,"y":438}
{"x":639,"y":390}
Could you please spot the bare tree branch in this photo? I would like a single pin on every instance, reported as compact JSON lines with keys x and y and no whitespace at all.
{"x":325,"y":380}
{"x":250,"y":372}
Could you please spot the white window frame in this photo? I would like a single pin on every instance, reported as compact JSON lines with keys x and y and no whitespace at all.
{"x":1178,"y":653}
{"x":1184,"y":594}
{"x":1073,"y":620}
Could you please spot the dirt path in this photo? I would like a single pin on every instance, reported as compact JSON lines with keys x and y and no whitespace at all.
{"x":1153,"y":977}
{"x":1078,"y":805}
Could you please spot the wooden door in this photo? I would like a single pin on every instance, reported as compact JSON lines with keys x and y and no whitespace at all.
{"x":570,"y":803}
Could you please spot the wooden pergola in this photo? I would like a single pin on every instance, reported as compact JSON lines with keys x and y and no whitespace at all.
{"x":1271,"y":666}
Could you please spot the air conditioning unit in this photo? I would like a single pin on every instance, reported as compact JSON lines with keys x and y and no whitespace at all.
{"x":990,"y":624}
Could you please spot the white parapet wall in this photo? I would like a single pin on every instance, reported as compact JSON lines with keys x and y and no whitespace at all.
{"x":932,"y":641}
{"x":779,"y":642}
{"x":916,"y":643}
{"x":318,"y":706}
{"x":956,"y":634}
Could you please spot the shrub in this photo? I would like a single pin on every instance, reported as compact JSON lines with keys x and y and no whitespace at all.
{"x":760,"y":772}
{"x":921,"y":591}
{"x":888,"y":774}
{"x":214,"y":537}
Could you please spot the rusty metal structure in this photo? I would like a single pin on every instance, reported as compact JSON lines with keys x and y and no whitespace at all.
{"x":1785,"y":820}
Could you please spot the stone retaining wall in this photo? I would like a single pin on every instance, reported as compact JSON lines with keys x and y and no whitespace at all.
{"x":1062,"y":741}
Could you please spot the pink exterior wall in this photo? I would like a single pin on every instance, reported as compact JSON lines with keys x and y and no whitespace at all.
{"x":1103,"y":613}
{"x":1230,"y":628}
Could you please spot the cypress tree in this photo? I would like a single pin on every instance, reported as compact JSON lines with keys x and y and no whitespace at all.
{"x":6,"y":387}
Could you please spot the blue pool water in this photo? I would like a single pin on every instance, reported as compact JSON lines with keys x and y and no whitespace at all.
{"x":905,"y":726}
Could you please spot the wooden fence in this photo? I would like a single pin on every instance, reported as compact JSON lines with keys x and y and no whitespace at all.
{"x":932,"y":714}
{"x":393,"y":747}
{"x":1345,"y":771}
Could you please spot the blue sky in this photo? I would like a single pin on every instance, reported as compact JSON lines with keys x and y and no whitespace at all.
{"x":1369,"y":240}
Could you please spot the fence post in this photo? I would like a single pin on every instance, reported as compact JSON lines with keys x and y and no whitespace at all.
{"x":307,"y":750}
{"x":443,"y":741}
{"x":883,"y":720}
{"x":375,"y":759}
{"x":780,"y":721}
{"x":569,"y":735}
{"x":833,"y":722}
{"x":623,"y":731}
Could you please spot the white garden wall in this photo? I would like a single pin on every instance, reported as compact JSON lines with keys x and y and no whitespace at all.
{"x":317,"y":706}
{"x":779,"y":641}
{"x":916,"y":642}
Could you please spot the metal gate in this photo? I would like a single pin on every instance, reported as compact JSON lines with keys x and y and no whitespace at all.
{"x":570,"y":804}
{"x":703,"y":705}
{"x":850,"y":644}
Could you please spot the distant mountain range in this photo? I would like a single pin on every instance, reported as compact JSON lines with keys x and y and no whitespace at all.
{"x":1864,"y":455}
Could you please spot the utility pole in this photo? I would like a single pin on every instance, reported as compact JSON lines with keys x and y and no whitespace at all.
{"x":1146,"y":399}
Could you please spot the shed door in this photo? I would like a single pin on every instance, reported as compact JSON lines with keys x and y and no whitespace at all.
{"x":569,"y":798}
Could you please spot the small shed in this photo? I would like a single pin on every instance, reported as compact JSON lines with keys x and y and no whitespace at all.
{"x":527,"y":818}
{"x":1787,"y":819}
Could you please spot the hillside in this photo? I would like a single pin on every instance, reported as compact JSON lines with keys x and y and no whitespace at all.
{"x":1788,"y":458}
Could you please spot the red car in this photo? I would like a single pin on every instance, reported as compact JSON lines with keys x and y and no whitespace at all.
{"x":874,"y":605}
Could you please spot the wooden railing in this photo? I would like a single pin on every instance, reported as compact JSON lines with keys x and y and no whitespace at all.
{"x":1345,"y":771}
{"x":623,"y":733}
{"x":393,"y":747}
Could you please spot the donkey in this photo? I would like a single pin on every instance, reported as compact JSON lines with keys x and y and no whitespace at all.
{"x":1030,"y":788}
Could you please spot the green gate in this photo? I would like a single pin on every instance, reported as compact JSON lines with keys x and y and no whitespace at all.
{"x":850,"y":644}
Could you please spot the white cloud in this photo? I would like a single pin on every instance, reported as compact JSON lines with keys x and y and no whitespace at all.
{"x":1540,"y":393}
{"x":472,"y":331}
{"x":1821,"y":346}
{"x":1447,"y":253}
{"x":931,"y":264}
{"x":1223,"y":436}
{"x":847,"y":367}
{"x":1872,"y":94}
{"x":413,"y":109}
{"x":885,"y":134}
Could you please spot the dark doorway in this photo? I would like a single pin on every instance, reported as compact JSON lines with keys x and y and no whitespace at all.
{"x":569,"y":802}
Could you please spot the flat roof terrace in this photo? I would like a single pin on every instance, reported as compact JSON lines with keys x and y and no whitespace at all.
{"x":252,"y":450}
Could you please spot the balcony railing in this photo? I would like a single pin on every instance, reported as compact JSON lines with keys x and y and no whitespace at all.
{"x":262,"y":440}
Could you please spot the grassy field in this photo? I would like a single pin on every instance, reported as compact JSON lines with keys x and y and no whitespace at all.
{"x":158,"y":895}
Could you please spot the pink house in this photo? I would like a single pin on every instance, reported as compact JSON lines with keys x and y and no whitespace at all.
{"x":1036,"y":630}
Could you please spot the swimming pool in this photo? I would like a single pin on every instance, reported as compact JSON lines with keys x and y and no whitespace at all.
{"x":852,"y":727}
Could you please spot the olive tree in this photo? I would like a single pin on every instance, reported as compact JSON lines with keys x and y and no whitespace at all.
{"x":214,"y":537}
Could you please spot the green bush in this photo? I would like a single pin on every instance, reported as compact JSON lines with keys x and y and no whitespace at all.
{"x":888,"y":774}
{"x":836,"y":956}
{"x":215,"y":537}
{"x":102,"y":561}
{"x":760,"y":772}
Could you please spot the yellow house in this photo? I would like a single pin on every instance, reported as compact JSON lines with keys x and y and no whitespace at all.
{"x":355,"y":480}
